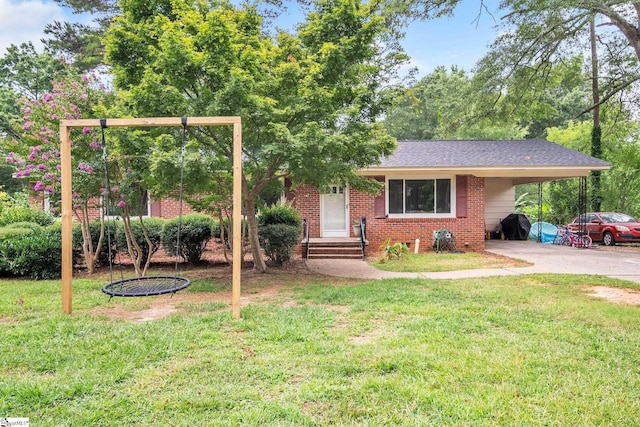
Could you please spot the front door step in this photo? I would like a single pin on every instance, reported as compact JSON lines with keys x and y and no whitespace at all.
{"x":344,"y":248}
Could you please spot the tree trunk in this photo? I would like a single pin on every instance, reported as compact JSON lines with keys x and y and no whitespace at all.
{"x":596,"y":133}
{"x":252,"y":225}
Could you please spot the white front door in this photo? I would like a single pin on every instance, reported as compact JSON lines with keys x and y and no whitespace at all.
{"x":334,"y":213}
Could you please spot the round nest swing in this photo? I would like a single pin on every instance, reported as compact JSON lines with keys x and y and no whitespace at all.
{"x":146,"y":286}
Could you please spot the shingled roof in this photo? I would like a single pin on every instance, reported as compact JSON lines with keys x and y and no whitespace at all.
{"x":531,"y":153}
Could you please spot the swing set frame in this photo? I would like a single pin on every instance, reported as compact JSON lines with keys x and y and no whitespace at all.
{"x":67,"y":203}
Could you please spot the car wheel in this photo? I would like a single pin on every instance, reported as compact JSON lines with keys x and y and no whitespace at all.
{"x":607,"y":239}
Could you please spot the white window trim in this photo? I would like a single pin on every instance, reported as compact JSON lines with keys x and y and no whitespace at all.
{"x":451,"y":214}
{"x":118,"y":217}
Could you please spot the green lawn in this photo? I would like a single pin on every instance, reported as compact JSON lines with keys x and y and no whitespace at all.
{"x":517,"y":350}
{"x":445,"y":261}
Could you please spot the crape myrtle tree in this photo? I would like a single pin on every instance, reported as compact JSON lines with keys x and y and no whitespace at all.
{"x":24,"y":73}
{"x":309,"y":100}
{"x":36,"y":154}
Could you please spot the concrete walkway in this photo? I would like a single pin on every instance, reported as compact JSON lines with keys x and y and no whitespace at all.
{"x":617,"y":262}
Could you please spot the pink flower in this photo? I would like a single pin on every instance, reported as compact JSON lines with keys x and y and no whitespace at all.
{"x":49,"y":189}
{"x":103,"y":191}
{"x":114,"y":189}
{"x":26,"y":126}
{"x":41,"y":167}
{"x":89,"y":169}
{"x":82,"y":166}
{"x":86,"y":130}
{"x":47,"y":97}
{"x":39,"y":186}
{"x":94,"y":144}
{"x":121,"y":204}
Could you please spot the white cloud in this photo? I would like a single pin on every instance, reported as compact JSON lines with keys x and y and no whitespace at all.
{"x":24,"y":21}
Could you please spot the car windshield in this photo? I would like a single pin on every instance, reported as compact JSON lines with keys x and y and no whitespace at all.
{"x":617,"y":217}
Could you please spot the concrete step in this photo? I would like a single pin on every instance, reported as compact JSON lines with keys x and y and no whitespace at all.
{"x":335,"y":249}
{"x":339,"y":248}
{"x":334,"y":256}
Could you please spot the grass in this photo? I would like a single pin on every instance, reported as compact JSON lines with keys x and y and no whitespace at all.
{"x":445,"y":261}
{"x":517,"y":350}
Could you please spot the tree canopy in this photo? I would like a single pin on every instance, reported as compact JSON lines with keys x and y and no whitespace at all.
{"x":309,"y":101}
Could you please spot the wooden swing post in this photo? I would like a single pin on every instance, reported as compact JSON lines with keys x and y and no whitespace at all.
{"x":67,"y":203}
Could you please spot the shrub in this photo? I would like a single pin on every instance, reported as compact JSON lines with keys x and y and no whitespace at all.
{"x":34,"y":226}
{"x":94,"y":230}
{"x":279,"y":214}
{"x":195,"y":232}
{"x":391,"y":251}
{"x":19,"y":213}
{"x":278,"y":241}
{"x":279,"y":229}
{"x":37,"y":254}
{"x":8,"y":233}
{"x":154,"y":231}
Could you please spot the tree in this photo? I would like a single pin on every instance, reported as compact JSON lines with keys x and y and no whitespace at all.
{"x":309,"y":101}
{"x":36,"y":156}
{"x":24,"y":73}
{"x":622,"y":149}
{"x":79,"y":43}
{"x":445,"y":105}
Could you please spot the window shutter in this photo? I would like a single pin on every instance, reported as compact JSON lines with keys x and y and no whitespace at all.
{"x":288,"y":194}
{"x":155,"y":209}
{"x":461,"y":196}
{"x":380,"y":207}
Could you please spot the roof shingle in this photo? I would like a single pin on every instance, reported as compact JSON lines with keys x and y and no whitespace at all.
{"x":484,"y":153}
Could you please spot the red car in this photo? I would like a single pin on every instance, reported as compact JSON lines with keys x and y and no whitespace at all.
{"x":609,"y":227}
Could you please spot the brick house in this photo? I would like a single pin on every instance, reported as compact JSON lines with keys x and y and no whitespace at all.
{"x":463,"y":186}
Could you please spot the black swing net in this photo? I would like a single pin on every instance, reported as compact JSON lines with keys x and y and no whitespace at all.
{"x":145,"y":285}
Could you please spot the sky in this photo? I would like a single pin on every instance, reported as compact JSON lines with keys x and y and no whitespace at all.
{"x":460,"y":40}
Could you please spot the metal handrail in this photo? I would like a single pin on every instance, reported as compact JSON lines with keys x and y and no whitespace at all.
{"x":305,"y":225}
{"x":363,"y":235}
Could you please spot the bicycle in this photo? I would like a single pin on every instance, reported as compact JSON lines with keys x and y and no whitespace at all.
{"x":566,"y":237}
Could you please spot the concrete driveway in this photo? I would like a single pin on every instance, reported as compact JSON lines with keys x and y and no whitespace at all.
{"x":618,"y":262}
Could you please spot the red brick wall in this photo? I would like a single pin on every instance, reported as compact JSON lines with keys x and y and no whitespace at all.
{"x":164,"y":208}
{"x":306,"y":199}
{"x":468,"y":230}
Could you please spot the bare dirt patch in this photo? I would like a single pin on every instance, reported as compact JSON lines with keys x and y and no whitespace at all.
{"x":616,"y":295}
{"x":274,"y":287}
{"x":165,"y":305}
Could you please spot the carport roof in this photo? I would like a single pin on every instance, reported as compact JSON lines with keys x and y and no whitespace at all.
{"x":490,"y":158}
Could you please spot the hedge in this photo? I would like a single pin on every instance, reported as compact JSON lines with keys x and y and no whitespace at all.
{"x":195,"y":232}
{"x":37,"y":254}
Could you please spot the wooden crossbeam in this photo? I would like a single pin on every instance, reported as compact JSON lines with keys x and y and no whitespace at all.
{"x":67,"y":206}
